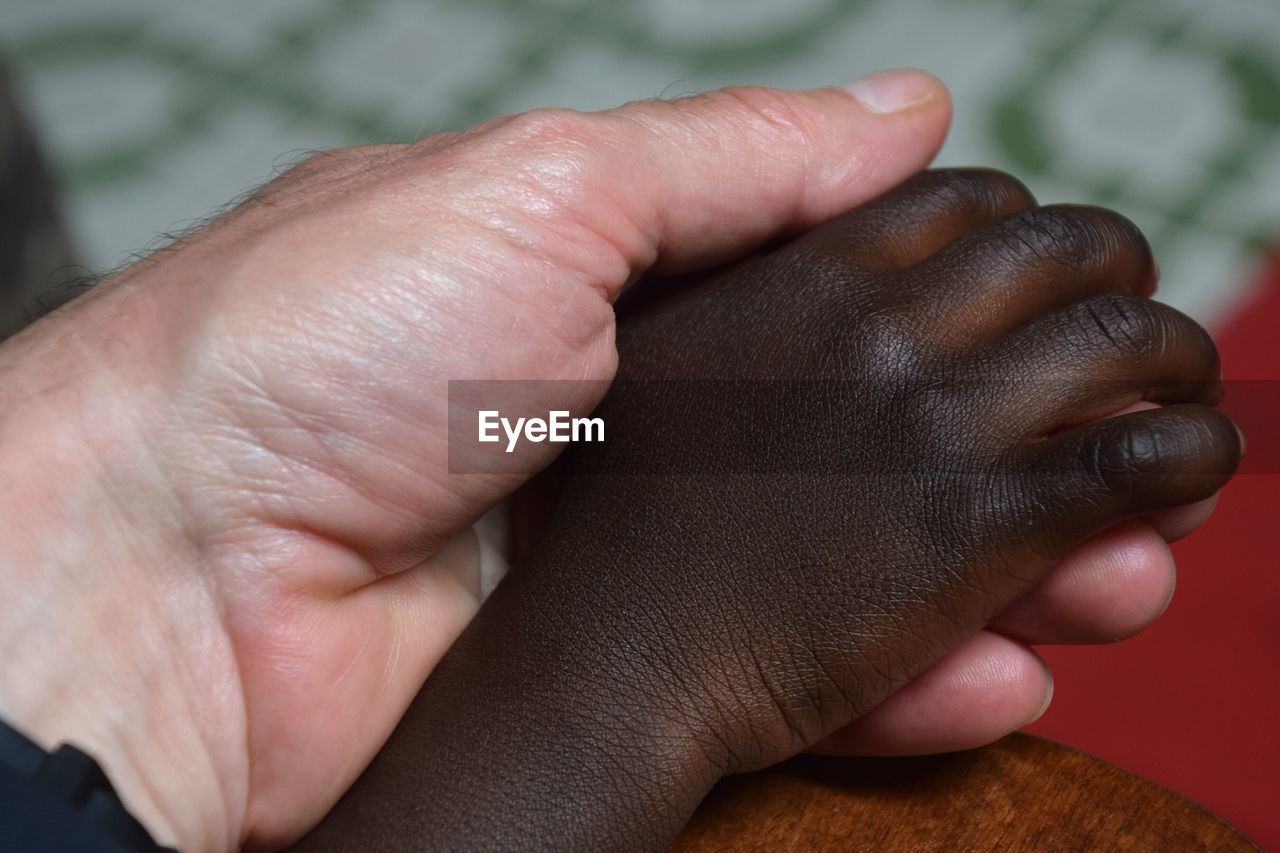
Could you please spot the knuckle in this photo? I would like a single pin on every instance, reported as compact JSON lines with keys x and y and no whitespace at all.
{"x":1169,"y":450}
{"x":1048,"y":233}
{"x":828,"y":275}
{"x":541,"y":157}
{"x":976,"y":190}
{"x":1115,"y":459}
{"x":884,"y":346}
{"x":1136,"y":449}
{"x":1114,"y":232}
{"x":1149,"y":454}
{"x":1127,"y":324}
{"x":546,"y":128}
{"x":768,"y":111}
{"x":1077,"y":237}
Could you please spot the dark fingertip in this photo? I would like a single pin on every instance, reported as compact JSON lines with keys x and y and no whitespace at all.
{"x":1096,"y":475}
{"x":1166,"y":457}
{"x":1152,"y":284}
{"x":1084,"y":239}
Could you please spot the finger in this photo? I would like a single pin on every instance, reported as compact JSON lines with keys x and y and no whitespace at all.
{"x":1178,"y":522}
{"x":982,"y":691}
{"x":921,"y":216}
{"x":595,"y":199}
{"x":1109,"y":588}
{"x":1181,"y":521}
{"x":1104,"y":354}
{"x":1089,"y":478}
{"x":700,"y":180}
{"x":1033,"y":262}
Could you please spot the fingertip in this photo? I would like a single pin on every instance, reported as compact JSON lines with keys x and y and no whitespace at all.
{"x":895,"y":90}
{"x":1105,"y":590}
{"x":985,"y":689}
{"x":1175,"y":455}
{"x":1181,"y":521}
{"x":1048,"y":692}
{"x":1098,"y":475}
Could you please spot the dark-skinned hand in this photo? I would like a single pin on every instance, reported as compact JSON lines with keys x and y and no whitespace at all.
{"x":823,"y":470}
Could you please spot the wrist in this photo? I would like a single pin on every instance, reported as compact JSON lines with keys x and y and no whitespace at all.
{"x":98,"y":630}
{"x":541,"y":727}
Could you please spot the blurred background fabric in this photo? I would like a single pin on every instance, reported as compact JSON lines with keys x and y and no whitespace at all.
{"x":157,"y":112}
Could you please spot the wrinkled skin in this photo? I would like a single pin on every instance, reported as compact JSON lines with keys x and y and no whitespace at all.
{"x":230,"y":546}
{"x":890,"y":434}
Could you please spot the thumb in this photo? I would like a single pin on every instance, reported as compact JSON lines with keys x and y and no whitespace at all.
{"x":700,"y":180}
{"x":672,"y":185}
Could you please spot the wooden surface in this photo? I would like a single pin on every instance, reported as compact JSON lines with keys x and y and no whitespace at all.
{"x":1022,"y":793}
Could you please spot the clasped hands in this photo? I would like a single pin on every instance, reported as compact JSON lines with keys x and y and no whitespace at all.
{"x":233,"y":548}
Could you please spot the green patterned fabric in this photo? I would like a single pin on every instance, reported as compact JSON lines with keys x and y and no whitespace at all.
{"x":158,"y":111}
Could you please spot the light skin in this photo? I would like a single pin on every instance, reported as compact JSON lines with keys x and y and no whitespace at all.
{"x":231,"y":547}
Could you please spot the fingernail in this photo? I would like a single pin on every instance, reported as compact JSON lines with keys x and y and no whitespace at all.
{"x":1168,"y":599}
{"x":893,"y":90}
{"x":1048,"y":698}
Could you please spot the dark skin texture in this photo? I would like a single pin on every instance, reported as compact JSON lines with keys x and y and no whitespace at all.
{"x":824,"y":469}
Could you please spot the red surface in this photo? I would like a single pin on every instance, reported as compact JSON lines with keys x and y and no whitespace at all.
{"x":1194,"y":702}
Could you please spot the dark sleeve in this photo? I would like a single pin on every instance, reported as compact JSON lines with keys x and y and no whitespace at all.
{"x":61,"y":801}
